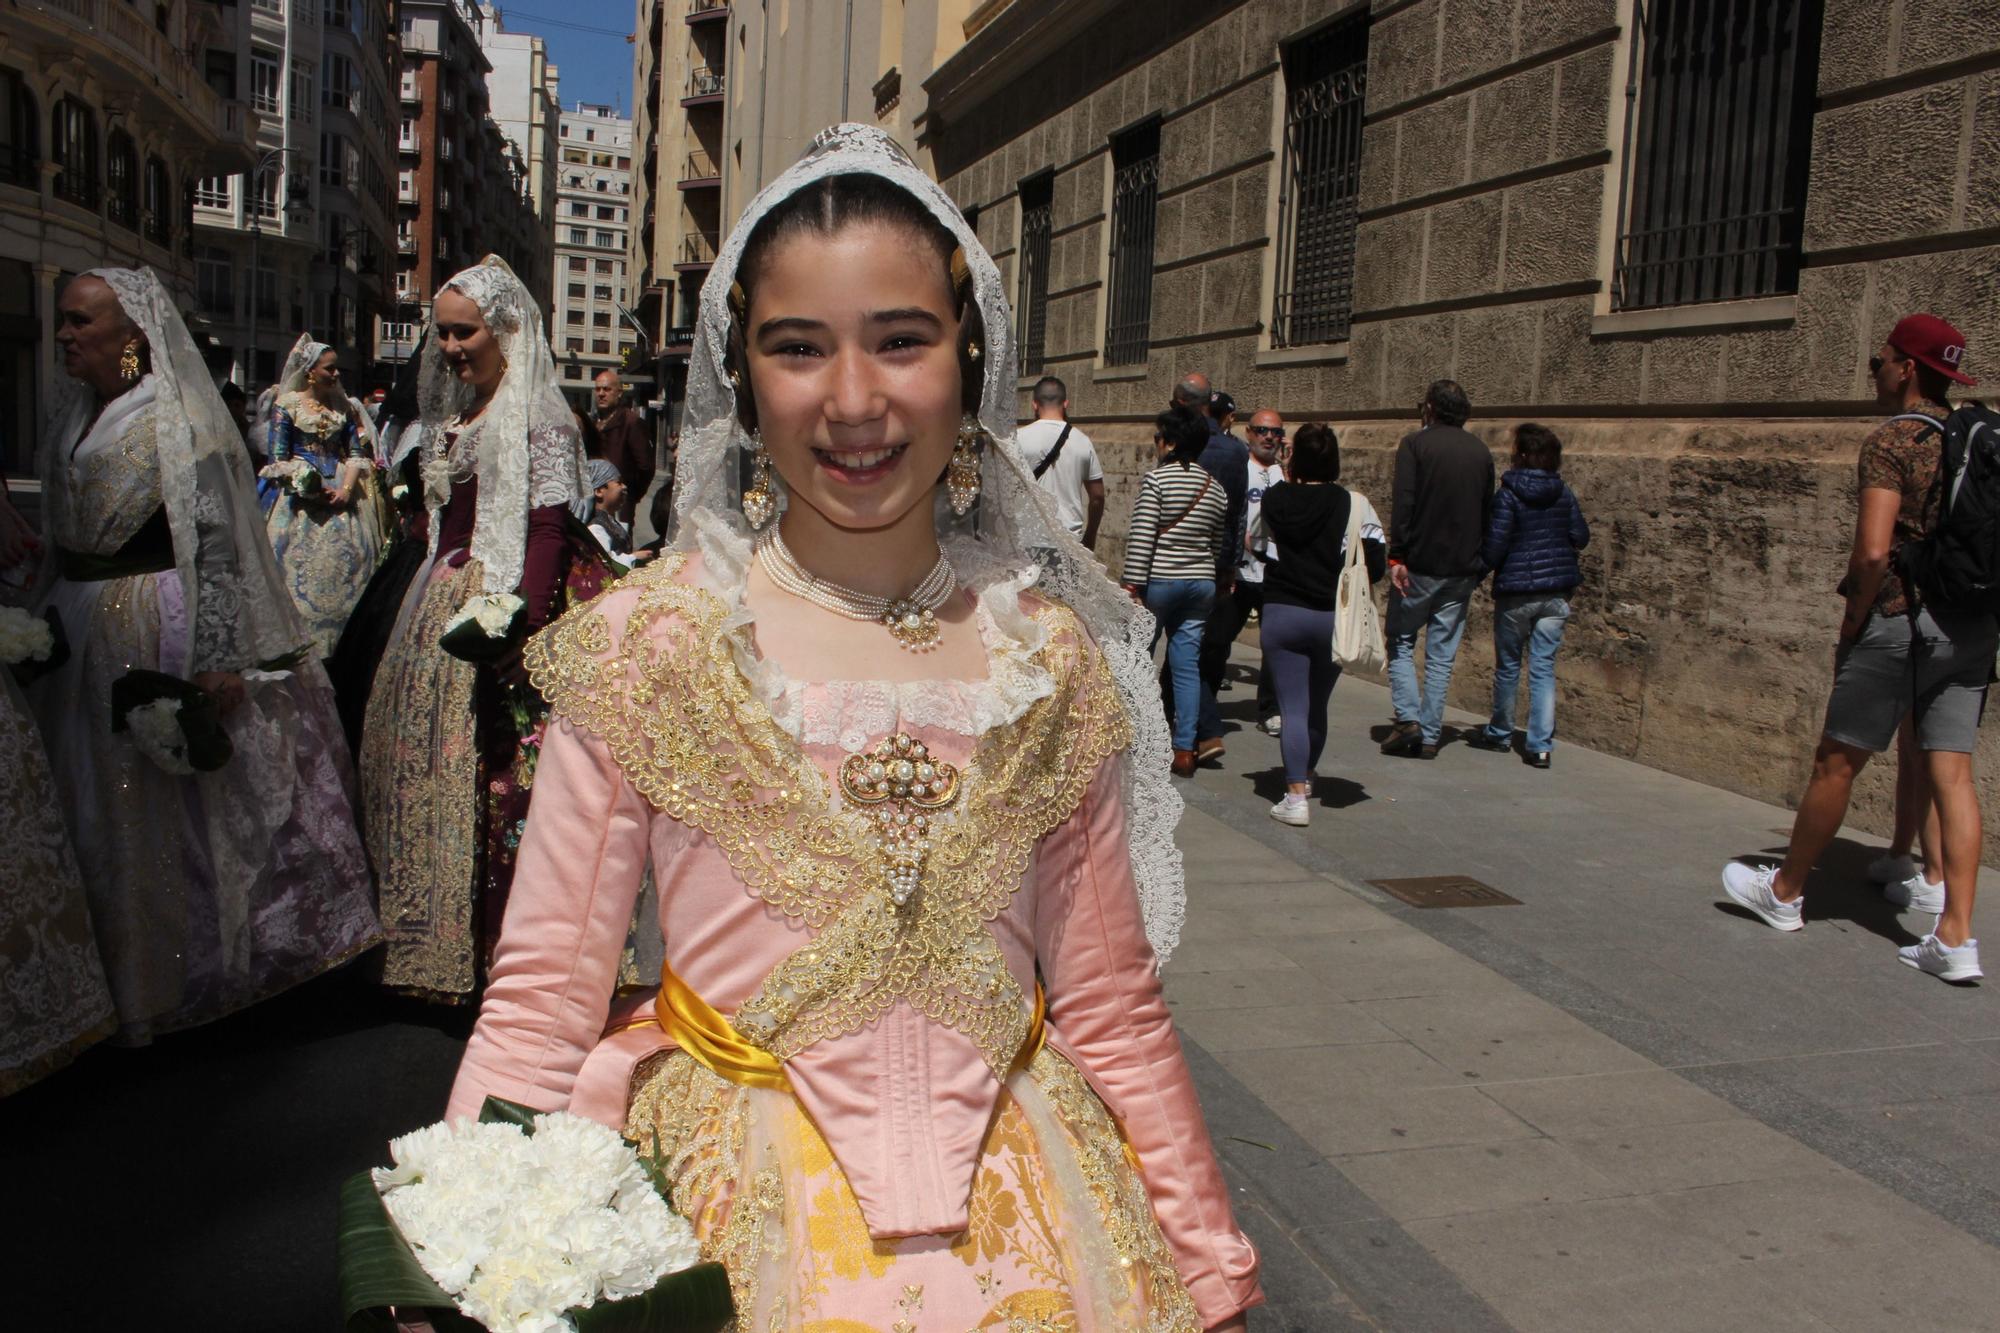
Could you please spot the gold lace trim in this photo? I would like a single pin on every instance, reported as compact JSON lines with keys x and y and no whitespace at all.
{"x":666,"y":697}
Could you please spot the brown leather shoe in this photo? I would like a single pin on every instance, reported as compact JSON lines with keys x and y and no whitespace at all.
{"x":1184,"y":762}
{"x":1405,"y":738}
{"x":1211,"y":748}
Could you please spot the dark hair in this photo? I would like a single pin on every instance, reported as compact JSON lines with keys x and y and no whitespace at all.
{"x":660,"y":510}
{"x":401,"y":402}
{"x":1448,"y":403}
{"x":232,"y":392}
{"x":1315,"y":453}
{"x":1220,"y":405}
{"x":827,"y":207}
{"x":1536,"y":446}
{"x":1050,"y":392}
{"x":1932,"y":384}
{"x":1185,"y":431}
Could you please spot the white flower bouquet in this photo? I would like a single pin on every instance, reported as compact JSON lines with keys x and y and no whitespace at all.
{"x":296,"y":478}
{"x":24,"y":638}
{"x":173,"y":722}
{"x":523,"y":1223}
{"x":485,"y":627}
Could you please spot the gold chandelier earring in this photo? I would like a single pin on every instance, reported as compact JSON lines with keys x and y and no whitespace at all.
{"x":760,"y":501}
{"x":961,"y":478}
{"x":128,"y":362}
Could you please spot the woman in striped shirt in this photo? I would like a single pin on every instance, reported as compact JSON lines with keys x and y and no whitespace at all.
{"x":1171,"y":555}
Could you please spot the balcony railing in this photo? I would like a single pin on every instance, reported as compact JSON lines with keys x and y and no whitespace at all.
{"x":700,"y":169}
{"x":19,"y":166}
{"x":680,"y":338}
{"x":697,"y":249}
{"x":703,"y":82}
{"x":406,"y":245}
{"x":707,"y":14}
{"x":77,"y":188}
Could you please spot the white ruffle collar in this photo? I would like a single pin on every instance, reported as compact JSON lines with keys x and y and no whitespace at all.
{"x":854,"y":714}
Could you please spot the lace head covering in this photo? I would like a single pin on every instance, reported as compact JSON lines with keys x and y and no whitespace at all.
{"x":527,"y":452}
{"x":305,"y":354}
{"x":240,"y":614}
{"x":1012,"y":519}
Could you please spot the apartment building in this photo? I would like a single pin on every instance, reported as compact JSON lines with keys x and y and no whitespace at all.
{"x":593,"y":225}
{"x":524,"y":88}
{"x":1674,"y":230}
{"x":107,"y":120}
{"x":463,"y":189}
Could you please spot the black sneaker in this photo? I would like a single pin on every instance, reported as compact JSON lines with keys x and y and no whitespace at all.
{"x":1539,"y":759}
{"x":1482,"y":740}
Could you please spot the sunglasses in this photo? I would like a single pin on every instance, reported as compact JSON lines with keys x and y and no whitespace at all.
{"x":1275,"y":432}
{"x":1875,"y":364}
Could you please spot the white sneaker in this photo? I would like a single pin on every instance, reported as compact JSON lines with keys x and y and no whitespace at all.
{"x":1887,"y":869}
{"x":1751,"y":886}
{"x":1932,"y":955}
{"x":1271,"y":726}
{"x":1292,"y":810}
{"x":1916,"y":892}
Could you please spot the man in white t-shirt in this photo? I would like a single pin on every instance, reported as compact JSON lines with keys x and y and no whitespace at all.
{"x":1063,"y":461}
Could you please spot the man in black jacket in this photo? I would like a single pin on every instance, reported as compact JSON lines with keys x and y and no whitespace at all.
{"x":1443,"y":497}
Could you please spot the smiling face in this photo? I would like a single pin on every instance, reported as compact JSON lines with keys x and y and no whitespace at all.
{"x":92,"y":329}
{"x":852,"y":347}
{"x":468,"y":346}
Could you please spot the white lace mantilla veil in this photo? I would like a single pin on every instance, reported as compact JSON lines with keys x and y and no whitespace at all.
{"x":240,"y":616}
{"x":1011,"y":518}
{"x":530,"y":454}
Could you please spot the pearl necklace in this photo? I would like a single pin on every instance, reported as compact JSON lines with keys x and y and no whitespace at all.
{"x":911,"y":619}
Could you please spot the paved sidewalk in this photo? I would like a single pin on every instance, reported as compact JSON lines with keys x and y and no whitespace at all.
{"x":1620,"y":1104}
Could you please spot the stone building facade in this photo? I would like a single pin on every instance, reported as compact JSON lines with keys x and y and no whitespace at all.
{"x":1678,"y":244}
{"x":106,"y":122}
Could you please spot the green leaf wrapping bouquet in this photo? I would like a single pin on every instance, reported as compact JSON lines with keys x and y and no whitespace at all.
{"x":174,"y":722}
{"x":486,"y":628}
{"x":522,"y":1222}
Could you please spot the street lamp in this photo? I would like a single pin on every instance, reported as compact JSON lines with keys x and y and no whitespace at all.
{"x":270,"y":159}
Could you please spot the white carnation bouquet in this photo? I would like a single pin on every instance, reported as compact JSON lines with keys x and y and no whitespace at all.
{"x":485,"y":627}
{"x":24,"y":638}
{"x":524,"y":1223}
{"x":295,"y":477}
{"x":173,"y":722}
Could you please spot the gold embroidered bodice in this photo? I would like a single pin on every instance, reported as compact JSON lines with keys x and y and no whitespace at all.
{"x":108,"y":489}
{"x":665,"y":694}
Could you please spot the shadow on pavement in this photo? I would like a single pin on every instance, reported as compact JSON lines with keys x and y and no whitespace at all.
{"x":1837,"y":890}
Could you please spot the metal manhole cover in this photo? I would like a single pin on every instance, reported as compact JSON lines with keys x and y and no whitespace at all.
{"x":1445,"y":891}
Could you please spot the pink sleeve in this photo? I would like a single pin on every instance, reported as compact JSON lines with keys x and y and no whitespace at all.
{"x":582,"y":857}
{"x":1105,"y":1008}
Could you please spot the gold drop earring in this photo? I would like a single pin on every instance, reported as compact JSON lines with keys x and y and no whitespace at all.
{"x":961,"y":478}
{"x":760,"y":502}
{"x":128,"y":362}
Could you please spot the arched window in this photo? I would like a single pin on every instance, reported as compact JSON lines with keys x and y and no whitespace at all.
{"x":73,"y":148}
{"x":121,"y":180}
{"x":20,"y":138}
{"x":159,"y":195}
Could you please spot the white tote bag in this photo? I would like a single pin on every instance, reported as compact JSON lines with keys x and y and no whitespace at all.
{"x":1357,"y":629}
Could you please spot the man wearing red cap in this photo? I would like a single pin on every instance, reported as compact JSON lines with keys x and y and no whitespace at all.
{"x":1897,"y":657}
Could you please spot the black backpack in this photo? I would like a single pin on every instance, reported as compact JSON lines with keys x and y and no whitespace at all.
{"x":1956,"y":566}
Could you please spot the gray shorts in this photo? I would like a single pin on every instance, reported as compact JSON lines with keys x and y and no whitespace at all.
{"x":1877,"y":680}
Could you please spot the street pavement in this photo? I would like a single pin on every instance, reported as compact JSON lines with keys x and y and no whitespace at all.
{"x":1619,"y":1104}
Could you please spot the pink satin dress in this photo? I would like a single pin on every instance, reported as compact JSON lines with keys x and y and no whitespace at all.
{"x":921,"y":1164}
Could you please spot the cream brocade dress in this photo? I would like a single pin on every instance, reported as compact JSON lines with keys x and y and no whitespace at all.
{"x":931,"y":1163}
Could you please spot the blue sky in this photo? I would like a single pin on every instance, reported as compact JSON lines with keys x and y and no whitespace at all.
{"x":596,"y":65}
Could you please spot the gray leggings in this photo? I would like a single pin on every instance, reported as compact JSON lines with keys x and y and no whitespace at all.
{"x":1298,"y":647}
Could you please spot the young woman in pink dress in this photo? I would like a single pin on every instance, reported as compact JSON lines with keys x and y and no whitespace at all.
{"x":903,"y":789}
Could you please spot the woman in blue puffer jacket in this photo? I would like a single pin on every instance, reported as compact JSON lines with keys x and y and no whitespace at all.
{"x":1531,"y":544}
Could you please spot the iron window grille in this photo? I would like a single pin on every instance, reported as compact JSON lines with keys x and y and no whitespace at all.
{"x":74,"y":145}
{"x":1037,"y":217}
{"x":1319,"y":188}
{"x":1135,"y":193}
{"x":158,"y":192}
{"x":1718,"y":140}
{"x":121,"y":179}
{"x":19,"y":123}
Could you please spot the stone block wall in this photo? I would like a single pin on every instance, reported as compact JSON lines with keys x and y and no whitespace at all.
{"x":1714,"y":453}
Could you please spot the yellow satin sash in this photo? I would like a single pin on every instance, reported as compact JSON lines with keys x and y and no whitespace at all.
{"x":694,"y":1025}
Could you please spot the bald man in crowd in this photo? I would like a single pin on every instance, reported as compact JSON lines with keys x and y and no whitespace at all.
{"x":622,"y":442}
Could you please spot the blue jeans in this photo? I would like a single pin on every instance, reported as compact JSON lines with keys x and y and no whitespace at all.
{"x":1182,"y":606}
{"x":1436,"y":606}
{"x":1536,"y":620}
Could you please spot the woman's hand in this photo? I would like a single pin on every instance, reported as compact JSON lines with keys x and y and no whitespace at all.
{"x":226,"y":687}
{"x":1135,"y":592}
{"x":339,"y":497}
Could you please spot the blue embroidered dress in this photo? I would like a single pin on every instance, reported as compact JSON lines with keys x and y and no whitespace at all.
{"x":326,"y":553}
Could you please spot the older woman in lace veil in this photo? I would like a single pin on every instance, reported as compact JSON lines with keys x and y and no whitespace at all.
{"x":448,"y":749}
{"x":888,"y":737}
{"x":328,"y":541}
{"x":207,"y":890}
